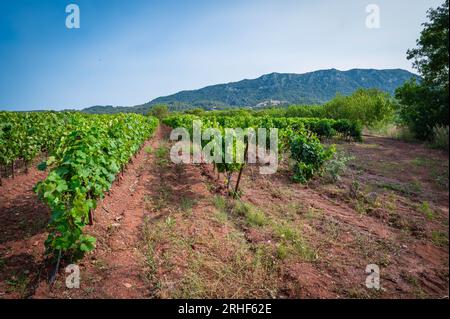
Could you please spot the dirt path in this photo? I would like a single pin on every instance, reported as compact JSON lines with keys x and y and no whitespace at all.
{"x":193,"y":246}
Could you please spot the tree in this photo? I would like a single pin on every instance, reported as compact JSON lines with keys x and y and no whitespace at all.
{"x":367,"y":106}
{"x":159,"y":111}
{"x":431,"y":55}
{"x":424,"y":105}
{"x":422,"y":108}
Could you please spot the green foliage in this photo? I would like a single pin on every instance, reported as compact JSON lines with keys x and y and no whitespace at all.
{"x":23,"y":135}
{"x":426,"y":210}
{"x":439,"y":238}
{"x":323,"y":128}
{"x":424,"y":105}
{"x":159,"y":111}
{"x":368,"y":107}
{"x":297,"y":134}
{"x":430,"y":57}
{"x":422,"y":108}
{"x":336,"y":167}
{"x":253,"y":216}
{"x":310,"y":156}
{"x":90,"y":152}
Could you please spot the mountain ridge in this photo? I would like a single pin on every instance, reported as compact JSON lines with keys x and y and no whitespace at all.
{"x":315,"y":87}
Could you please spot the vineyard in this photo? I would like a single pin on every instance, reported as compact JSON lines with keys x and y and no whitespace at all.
{"x":298,"y":136}
{"x":85,"y":155}
{"x":140,"y":225}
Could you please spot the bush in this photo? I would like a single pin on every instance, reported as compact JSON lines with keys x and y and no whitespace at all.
{"x":310,"y":155}
{"x":349,"y":129}
{"x":336,"y":167}
{"x":440,"y":137}
{"x":324,"y":128}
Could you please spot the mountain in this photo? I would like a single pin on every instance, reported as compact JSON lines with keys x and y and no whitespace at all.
{"x":279,"y":89}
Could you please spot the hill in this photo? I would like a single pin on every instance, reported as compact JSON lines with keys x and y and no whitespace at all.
{"x":276,"y":89}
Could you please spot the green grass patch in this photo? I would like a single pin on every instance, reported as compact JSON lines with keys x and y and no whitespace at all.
{"x":426,"y":210}
{"x":439,"y":238}
{"x":253,"y":216}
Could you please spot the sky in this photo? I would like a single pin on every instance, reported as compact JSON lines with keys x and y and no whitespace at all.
{"x":130,"y":52}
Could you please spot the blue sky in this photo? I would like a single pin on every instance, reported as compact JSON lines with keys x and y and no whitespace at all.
{"x":129,"y":52}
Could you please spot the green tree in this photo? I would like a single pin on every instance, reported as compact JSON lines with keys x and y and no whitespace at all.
{"x":159,"y":111}
{"x":424,"y":105}
{"x":366,"y":106}
{"x":430,"y":58}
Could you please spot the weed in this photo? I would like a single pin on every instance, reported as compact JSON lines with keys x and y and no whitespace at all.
{"x":421,"y":161}
{"x":313,"y":213}
{"x":187,"y":204}
{"x":355,"y":189}
{"x":264,"y":258}
{"x":253,"y":216}
{"x":293,"y":242}
{"x":219,"y":203}
{"x":148,"y":149}
{"x":19,"y":284}
{"x":414,"y":282}
{"x":336,"y":167}
{"x":415,"y":187}
{"x":256,"y":218}
{"x":412,"y":188}
{"x":282,"y":251}
{"x":439,"y":238}
{"x":221,"y":216}
{"x":170,"y":222}
{"x":441,"y":177}
{"x":425,"y":209}
{"x":161,"y":152}
{"x":390,"y":203}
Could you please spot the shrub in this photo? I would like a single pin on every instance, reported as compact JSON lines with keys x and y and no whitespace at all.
{"x":336,"y":167}
{"x":310,"y":155}
{"x":324,"y":128}
{"x":349,"y":129}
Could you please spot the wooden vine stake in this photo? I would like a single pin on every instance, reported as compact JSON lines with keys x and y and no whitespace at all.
{"x":91,"y":217}
{"x":91,"y":213}
{"x":240,"y":171}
